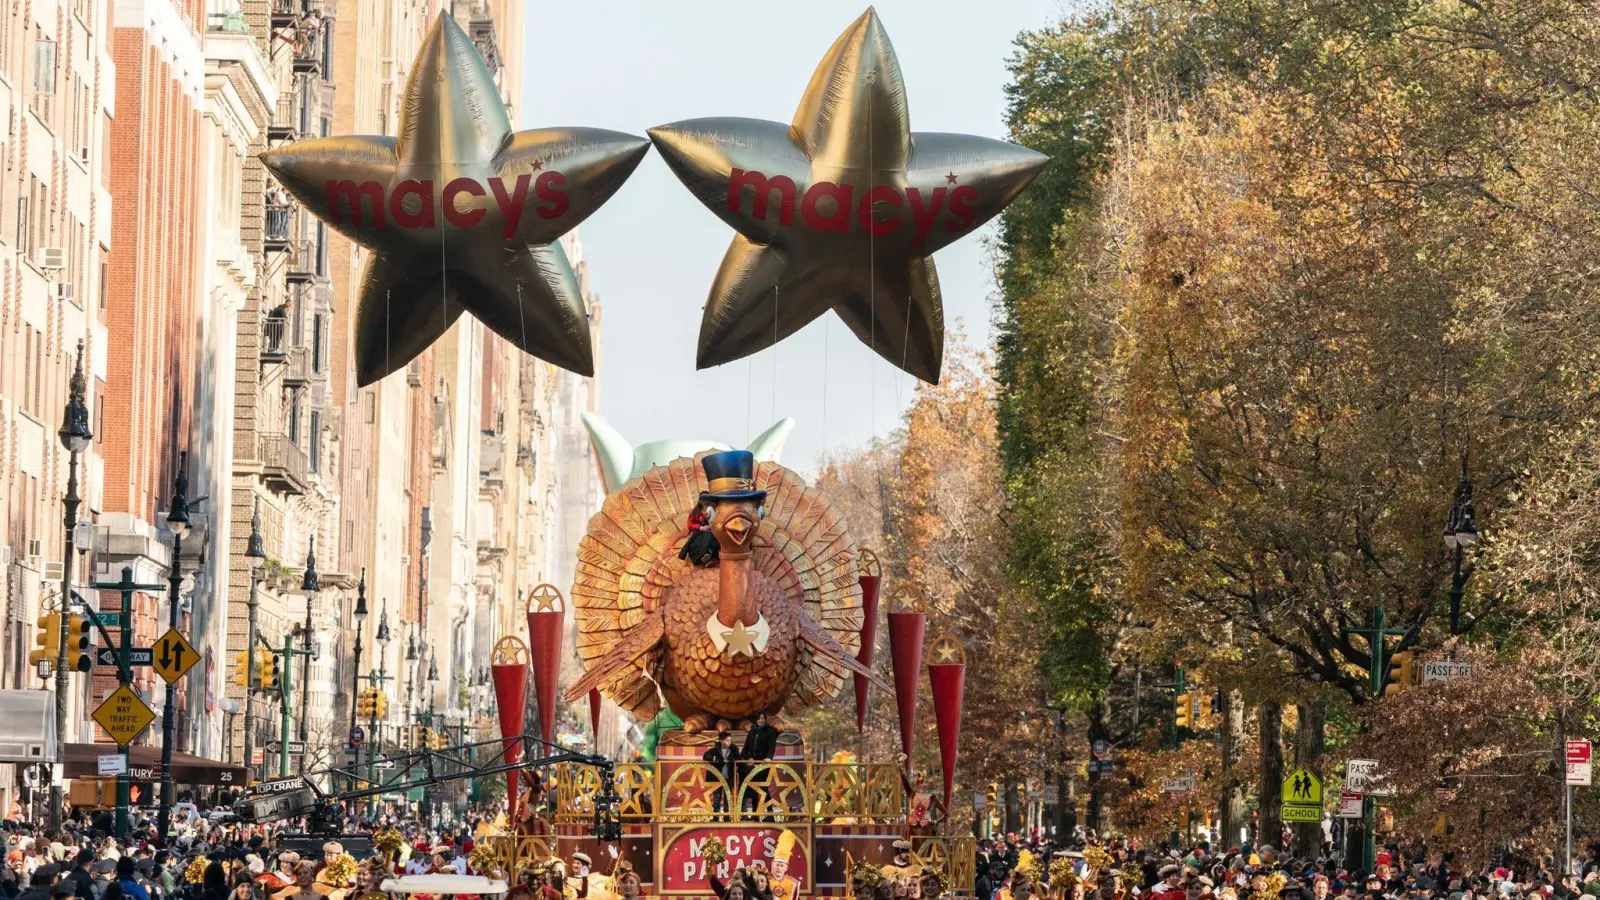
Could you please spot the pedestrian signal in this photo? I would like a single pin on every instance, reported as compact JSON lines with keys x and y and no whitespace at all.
{"x":241,"y":668}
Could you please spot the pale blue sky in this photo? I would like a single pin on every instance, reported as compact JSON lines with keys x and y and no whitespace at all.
{"x":653,"y":249}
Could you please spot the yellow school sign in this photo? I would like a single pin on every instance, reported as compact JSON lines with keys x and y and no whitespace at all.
{"x":1302,"y":797}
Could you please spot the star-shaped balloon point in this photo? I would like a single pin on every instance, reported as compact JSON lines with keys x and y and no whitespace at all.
{"x":842,"y":209}
{"x":460,"y":213}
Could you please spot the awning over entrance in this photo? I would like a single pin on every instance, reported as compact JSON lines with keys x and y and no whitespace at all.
{"x":144,"y":764}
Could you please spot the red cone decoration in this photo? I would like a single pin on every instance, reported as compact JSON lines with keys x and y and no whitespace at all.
{"x":547,"y":610}
{"x":871,"y":578}
{"x":508,"y":665}
{"x":594,"y":717}
{"x":906,"y":629}
{"x":947,"y":675}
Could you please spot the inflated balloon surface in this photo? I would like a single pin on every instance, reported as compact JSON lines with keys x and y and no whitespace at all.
{"x":842,"y":209}
{"x":461,"y":213}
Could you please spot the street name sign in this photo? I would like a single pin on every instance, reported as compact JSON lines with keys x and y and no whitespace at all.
{"x":108,"y":618}
{"x":123,"y":715}
{"x":1580,"y":763}
{"x":1181,"y":784}
{"x":174,"y":656}
{"x":1440,"y":669}
{"x":137,"y":656}
{"x":1364,"y":776}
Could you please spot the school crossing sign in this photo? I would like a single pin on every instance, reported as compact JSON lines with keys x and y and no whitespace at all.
{"x":1302,"y":797}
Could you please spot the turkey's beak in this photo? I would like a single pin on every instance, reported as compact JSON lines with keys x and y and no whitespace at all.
{"x":738,"y":528}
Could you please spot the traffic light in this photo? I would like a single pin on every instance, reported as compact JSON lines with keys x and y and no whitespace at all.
{"x":380,"y":704}
{"x":79,"y":654}
{"x":437,"y":740}
{"x":1402,"y":672}
{"x":48,"y":639}
{"x":241,"y":668}
{"x":267,"y":673}
{"x":1185,"y":711}
{"x":367,"y":704}
{"x":1202,"y":710}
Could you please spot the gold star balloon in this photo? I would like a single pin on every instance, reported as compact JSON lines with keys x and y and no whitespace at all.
{"x":461,"y":213}
{"x":841,"y":209}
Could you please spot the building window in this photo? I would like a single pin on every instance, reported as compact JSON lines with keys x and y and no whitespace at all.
{"x":44,"y":74}
{"x":316,"y":442}
{"x":316,"y":343}
{"x":104,"y":277}
{"x":22,"y":224}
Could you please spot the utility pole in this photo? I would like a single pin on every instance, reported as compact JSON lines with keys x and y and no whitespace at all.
{"x":124,"y":677}
{"x":256,"y":555}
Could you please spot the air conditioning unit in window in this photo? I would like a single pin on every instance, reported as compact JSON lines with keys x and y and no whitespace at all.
{"x":83,"y":155}
{"x":405,"y":560}
{"x":51,"y":258}
{"x":52,"y":570}
{"x":65,"y":290}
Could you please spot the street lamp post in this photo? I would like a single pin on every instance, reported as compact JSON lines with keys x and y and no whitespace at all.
{"x":1460,"y":535}
{"x":75,"y":437}
{"x":433,"y":682}
{"x":361,"y":619}
{"x":310,"y":585}
{"x":178,"y":524}
{"x":411,"y":676}
{"x":255,"y":554}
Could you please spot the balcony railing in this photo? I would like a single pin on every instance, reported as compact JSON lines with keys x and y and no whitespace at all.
{"x":283,"y":464}
{"x":278,"y":215}
{"x":299,"y":366}
{"x":286,"y":13}
{"x":302,"y":263}
{"x":273,"y":331}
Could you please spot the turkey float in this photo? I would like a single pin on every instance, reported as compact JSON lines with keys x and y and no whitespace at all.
{"x":774,"y":624}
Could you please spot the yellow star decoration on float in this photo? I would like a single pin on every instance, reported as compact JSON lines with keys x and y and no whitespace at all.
{"x":545,"y":596}
{"x":946,"y":653}
{"x":740,"y":640}
{"x":460,"y":213}
{"x":841,"y":209}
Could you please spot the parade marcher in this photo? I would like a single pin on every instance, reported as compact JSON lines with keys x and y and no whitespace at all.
{"x":902,"y":869}
{"x":760,"y":743}
{"x":783,"y":885}
{"x":283,"y":876}
{"x":421,"y":861}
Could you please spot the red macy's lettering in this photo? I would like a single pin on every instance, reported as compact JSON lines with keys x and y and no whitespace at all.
{"x":511,"y":203}
{"x":923,"y":209}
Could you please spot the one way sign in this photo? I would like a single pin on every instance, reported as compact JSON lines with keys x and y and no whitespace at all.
{"x":138,"y":656}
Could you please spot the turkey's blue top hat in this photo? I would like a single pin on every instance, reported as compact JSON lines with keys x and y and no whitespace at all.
{"x":731,"y":476}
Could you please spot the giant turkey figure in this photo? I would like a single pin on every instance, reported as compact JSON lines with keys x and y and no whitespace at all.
{"x":776,"y":623}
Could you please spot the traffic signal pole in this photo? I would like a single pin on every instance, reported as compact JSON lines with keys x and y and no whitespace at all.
{"x":124,"y":677}
{"x":285,"y":698}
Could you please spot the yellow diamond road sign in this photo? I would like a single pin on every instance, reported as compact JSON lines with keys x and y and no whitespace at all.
{"x":123,"y":715}
{"x":173,"y":656}
{"x":1302,"y":788}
